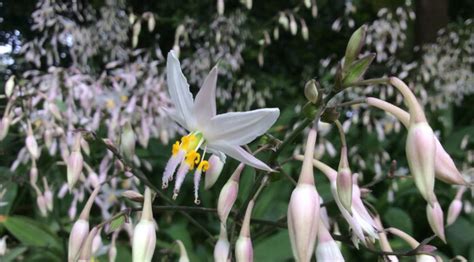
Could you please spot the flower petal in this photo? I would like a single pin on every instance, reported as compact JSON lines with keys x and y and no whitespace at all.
{"x":205,"y":102}
{"x":173,"y":114}
{"x":240,"y":128}
{"x":240,"y":154}
{"x":178,"y":88}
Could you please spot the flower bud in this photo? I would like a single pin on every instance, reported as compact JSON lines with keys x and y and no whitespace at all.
{"x":420,"y":150}
{"x":113,"y":248}
{"x":183,"y":255}
{"x":4,"y":127}
{"x":33,"y":173}
{"x":214,"y":171}
{"x":344,"y":181}
{"x":435,"y":219}
{"x":3,"y":245}
{"x":86,"y":251}
{"x":85,"y":147}
{"x":228,"y":194}
{"x":220,"y":7}
{"x":75,"y":162}
{"x":222,"y":248}
{"x":244,"y":249}
{"x":454,"y":210}
{"x":32,"y":146}
{"x":127,"y":142}
{"x":77,"y":237}
{"x":311,"y":91}
{"x":144,"y":235}
{"x":354,"y":45}
{"x":48,"y":195}
{"x":303,"y":209}
{"x":293,"y":25}
{"x":327,"y":249}
{"x":9,"y":85}
{"x":41,"y":202}
{"x":134,"y":196}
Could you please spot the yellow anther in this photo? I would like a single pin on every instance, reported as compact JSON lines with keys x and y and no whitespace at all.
{"x":204,"y":165}
{"x":175,"y":149}
{"x":192,"y":158}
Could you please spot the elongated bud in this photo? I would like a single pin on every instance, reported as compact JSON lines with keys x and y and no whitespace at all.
{"x":311,"y":91}
{"x":42,"y":206}
{"x":48,"y":195}
{"x":31,"y":143}
{"x":344,"y":181}
{"x":75,"y":162}
{"x":436,"y":219}
{"x":113,"y":248}
{"x":327,"y":249}
{"x":354,"y":45}
{"x":9,"y":86}
{"x":420,"y":150}
{"x":228,"y":194}
{"x":33,"y":173}
{"x":455,"y":207}
{"x":96,"y":243}
{"x":134,"y":196}
{"x":86,"y":251}
{"x":214,"y":171}
{"x":4,"y":127}
{"x":3,"y":245}
{"x":144,"y":235}
{"x":445,"y":169}
{"x":303,"y":209}
{"x":127,"y":142}
{"x":183,"y":255}
{"x":220,"y":7}
{"x":243,"y":246}
{"x":85,"y":147}
{"x":222,"y":248}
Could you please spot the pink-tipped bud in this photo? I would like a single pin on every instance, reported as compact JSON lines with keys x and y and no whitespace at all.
{"x":4,"y":127}
{"x":344,"y":187}
{"x":85,"y":147}
{"x":222,"y":248}
{"x":75,"y":162}
{"x":42,"y":206}
{"x":144,"y":235}
{"x":445,"y":169}
{"x":9,"y":86}
{"x":33,"y":173}
{"x":455,"y":207}
{"x":77,"y":237}
{"x":420,"y":150}
{"x":244,"y":249}
{"x":134,"y":196}
{"x":32,"y":146}
{"x":86,"y":251}
{"x":214,"y":171}
{"x":96,"y":243}
{"x":183,"y":255}
{"x":48,"y":195}
{"x":327,"y":249}
{"x":303,"y":209}
{"x":435,"y":219}
{"x":228,"y":194}
{"x":127,"y":142}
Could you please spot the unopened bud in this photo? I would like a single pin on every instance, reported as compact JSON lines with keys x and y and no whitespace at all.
{"x":435,"y":219}
{"x":283,"y":20}
{"x":222,"y":248}
{"x":9,"y":86}
{"x":327,"y":249}
{"x":78,"y":235}
{"x":53,"y":108}
{"x":33,"y":173}
{"x":86,"y":250}
{"x":330,"y":115}
{"x":85,"y":147}
{"x":293,"y":25}
{"x":214,"y":171}
{"x":4,"y":127}
{"x":228,"y":194}
{"x":454,"y":210}
{"x":220,"y":7}
{"x":183,"y":255}
{"x":32,"y":146}
{"x":41,"y":202}
{"x":3,"y":245}
{"x":96,"y":243}
{"x":134,"y":196}
{"x":113,"y":248}
{"x":244,"y":249}
{"x":144,"y":235}
{"x":344,"y":181}
{"x":311,"y":91}
{"x":304,"y":30}
{"x":48,"y":195}
{"x":74,"y":168}
{"x":127,"y":142}
{"x":354,"y":46}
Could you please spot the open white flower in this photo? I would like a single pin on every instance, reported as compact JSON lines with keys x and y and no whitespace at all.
{"x":222,"y":134}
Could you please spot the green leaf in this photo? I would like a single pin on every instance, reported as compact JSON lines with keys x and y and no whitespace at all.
{"x":460,"y":235}
{"x":357,"y":70}
{"x":398,"y":218}
{"x":274,"y":248}
{"x":355,"y":45}
{"x":31,"y":233}
{"x":9,"y":196}
{"x":116,"y":223}
{"x":12,"y":254}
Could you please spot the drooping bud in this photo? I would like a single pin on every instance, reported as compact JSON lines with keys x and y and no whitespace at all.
{"x":48,"y":195}
{"x":33,"y":173}
{"x":75,"y":162}
{"x":183,"y":255}
{"x":113,"y":248}
{"x":86,"y":251}
{"x":293,"y":25}
{"x":4,"y":127}
{"x":80,"y":229}
{"x":228,"y":194}
{"x":455,"y":207}
{"x":445,"y":169}
{"x":327,"y":249}
{"x":144,"y":235}
{"x":96,"y":243}
{"x":127,"y":142}
{"x":311,"y":91}
{"x":9,"y":86}
{"x":41,"y":202}
{"x":220,"y":7}
{"x":344,"y":175}
{"x":3,"y":245}
{"x":31,"y":143}
{"x":214,"y":171}
{"x":303,"y":209}
{"x":222,"y":248}
{"x":436,"y":219}
{"x":243,"y":246}
{"x":134,"y":196}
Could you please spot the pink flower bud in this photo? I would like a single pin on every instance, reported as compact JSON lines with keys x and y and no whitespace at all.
{"x":4,"y":127}
{"x":41,"y":202}
{"x":113,"y":248}
{"x":228,"y":194}
{"x":96,"y":243}
{"x":3,"y":245}
{"x":344,"y":187}
{"x":78,"y":235}
{"x":134,"y":196}
{"x":420,"y":150}
{"x":144,"y":235}
{"x":9,"y":86}
{"x":48,"y":195}
{"x":435,"y":219}
{"x":32,"y":146}
{"x":74,"y":168}
{"x":303,"y":209}
{"x":327,"y":249}
{"x":86,"y":250}
{"x":455,"y":207}
{"x":127,"y":142}
{"x":222,"y":248}
{"x":214,"y":171}
{"x":33,"y":173}
{"x":183,"y":255}
{"x":243,"y":249}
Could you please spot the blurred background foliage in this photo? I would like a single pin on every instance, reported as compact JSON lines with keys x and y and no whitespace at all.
{"x":429,"y":44}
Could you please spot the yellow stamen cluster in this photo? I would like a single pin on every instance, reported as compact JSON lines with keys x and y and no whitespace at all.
{"x":189,"y":144}
{"x":192,"y":158}
{"x":204,"y":165}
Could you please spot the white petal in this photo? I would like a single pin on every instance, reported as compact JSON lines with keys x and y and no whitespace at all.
{"x":178,"y":88}
{"x":240,"y":128}
{"x":205,"y":102}
{"x":240,"y":154}
{"x":177,"y":117}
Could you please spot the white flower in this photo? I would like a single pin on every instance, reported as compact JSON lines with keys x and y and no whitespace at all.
{"x":222,"y":134}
